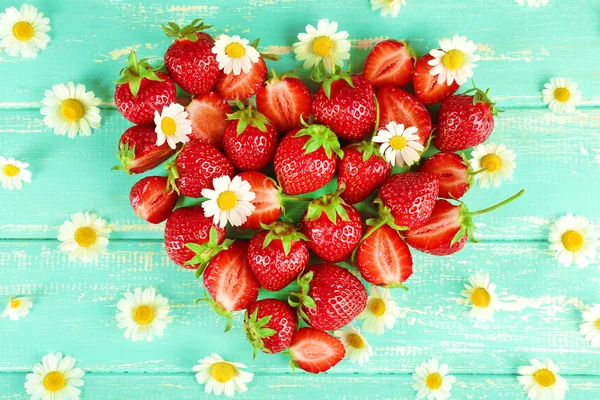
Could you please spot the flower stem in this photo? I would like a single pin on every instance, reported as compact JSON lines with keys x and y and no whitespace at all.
{"x":502,"y":203}
{"x":295,"y":198}
{"x":478,"y":172}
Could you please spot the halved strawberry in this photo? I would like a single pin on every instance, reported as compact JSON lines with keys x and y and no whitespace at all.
{"x":390,"y":62}
{"x":454,"y":172}
{"x":315,"y":351}
{"x":208,"y":113}
{"x":138,"y":151}
{"x":244,"y":85}
{"x":403,"y":108}
{"x":267,"y":202}
{"x":426,"y":87}
{"x":151,"y":200}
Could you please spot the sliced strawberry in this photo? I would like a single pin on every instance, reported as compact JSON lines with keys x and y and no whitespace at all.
{"x":390,"y":62}
{"x":426,"y":87}
{"x":315,"y":351}
{"x":267,"y":202}
{"x":454,"y":172}
{"x":208,"y":113}
{"x":138,"y":151}
{"x":151,"y":200}
{"x":244,"y":85}
{"x":403,"y":108}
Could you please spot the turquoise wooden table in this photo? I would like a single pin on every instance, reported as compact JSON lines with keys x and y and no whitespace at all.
{"x":558,"y":160}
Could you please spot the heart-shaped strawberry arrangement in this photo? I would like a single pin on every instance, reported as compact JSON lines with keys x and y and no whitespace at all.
{"x":305,"y":139}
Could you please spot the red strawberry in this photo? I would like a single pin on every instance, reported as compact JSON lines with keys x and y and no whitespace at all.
{"x":453,"y":171}
{"x":277,"y":255}
{"x":188,"y":225}
{"x":332,"y":226}
{"x":151,"y":200}
{"x":138,"y":151}
{"x":346,"y":104}
{"x":141,"y":90}
{"x":250,"y":139}
{"x":195,"y":167}
{"x":244,"y":85}
{"x":315,"y":351}
{"x":390,"y":62}
{"x":208,"y":113}
{"x":410,"y":197}
{"x":270,"y":325}
{"x":267,"y":202}
{"x":305,"y":159}
{"x":330,"y":297}
{"x":403,"y":108}
{"x":284,"y":100}
{"x":448,"y":229}
{"x":362,"y":170}
{"x":190,"y":60}
{"x":465,"y":121}
{"x":426,"y":87}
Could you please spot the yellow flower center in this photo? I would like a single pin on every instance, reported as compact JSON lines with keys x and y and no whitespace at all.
{"x":85,"y":236}
{"x":562,"y":94}
{"x":23,"y":30}
{"x":355,"y":341}
{"x":10,"y":170}
{"x":72,"y":110}
{"x":397,"y":142}
{"x":235,"y":50}
{"x":491,"y":162}
{"x":598,"y":324}
{"x":434,"y":381}
{"x":572,"y":240}
{"x":143,"y":315}
{"x":222,"y":372}
{"x":15,"y":303}
{"x":454,"y":59}
{"x":481,"y":298}
{"x":377,"y":307}
{"x":168,"y":126}
{"x":322,"y":46}
{"x":545,"y":377}
{"x":54,"y":381}
{"x":227,"y":200}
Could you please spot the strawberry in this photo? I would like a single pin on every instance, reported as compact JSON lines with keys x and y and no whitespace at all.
{"x":141,"y":90}
{"x":250,"y":139}
{"x":403,"y":108}
{"x":448,"y":229}
{"x":305,"y":159}
{"x":190,"y":60}
{"x":270,"y":325}
{"x":188,"y":225}
{"x":390,"y":62}
{"x":277,"y":255}
{"x":410,"y":197}
{"x":284,"y":100}
{"x":195,"y":167}
{"x":208,"y":113}
{"x":138,"y":151}
{"x":453,"y":171}
{"x":244,"y":85}
{"x":362,"y":170}
{"x":315,"y":351}
{"x":426,"y":87}
{"x":465,"y":121}
{"x":346,"y":104}
{"x":332,"y":226}
{"x":150,"y":199}
{"x":330,"y":297}
{"x":267,"y":202}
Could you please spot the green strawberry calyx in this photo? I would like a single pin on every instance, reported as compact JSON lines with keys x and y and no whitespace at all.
{"x":320,"y":137}
{"x":284,"y":232}
{"x":218,"y":309}
{"x":480,"y":96}
{"x":368,"y":149}
{"x":266,"y":56}
{"x":301,"y":299}
{"x":126,"y":155}
{"x":318,"y":74}
{"x":187,"y":32}
{"x":172,"y":174}
{"x":470,"y":173}
{"x":256,"y":331}
{"x":410,"y":50}
{"x":207,"y":251}
{"x":330,"y":204}
{"x":136,"y":71}
{"x":248,"y":116}
{"x":274,"y":78}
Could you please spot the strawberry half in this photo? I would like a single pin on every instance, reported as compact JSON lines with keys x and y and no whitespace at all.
{"x":138,"y":151}
{"x":454,"y":172}
{"x":403,"y":108}
{"x":270,"y":325}
{"x":426,"y":87}
{"x":244,"y":85}
{"x":208,"y":113}
{"x":151,"y":200}
{"x":267,"y":203}
{"x":315,"y":351}
{"x":390,"y":62}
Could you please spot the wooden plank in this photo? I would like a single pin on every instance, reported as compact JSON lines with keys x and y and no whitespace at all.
{"x":75,"y":310}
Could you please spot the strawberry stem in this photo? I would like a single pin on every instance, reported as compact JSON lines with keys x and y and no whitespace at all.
{"x":376,"y":126}
{"x":295,"y":198}
{"x":502,"y":203}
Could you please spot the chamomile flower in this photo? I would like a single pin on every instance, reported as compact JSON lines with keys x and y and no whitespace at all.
{"x":561,"y":95}
{"x":172,"y":125}
{"x":454,"y":61}
{"x":323,"y":44}
{"x":222,"y":376}
{"x":55,"y":378}
{"x":69,"y":109}
{"x":84,"y":236}
{"x":230,"y":201}
{"x":573,"y":239}
{"x":235,"y":54}
{"x":432,"y":380}
{"x":541,"y":380}
{"x":143,"y":314}
{"x":13,"y":173}
{"x":388,"y":7}
{"x":399,"y":146}
{"x":590,"y":329}
{"x":17,"y":307}
{"x":482,"y":295}
{"x":23,"y":31}
{"x":492,"y":164}
{"x":357,"y":347}
{"x":381,"y":311}
{"x":532,"y":3}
